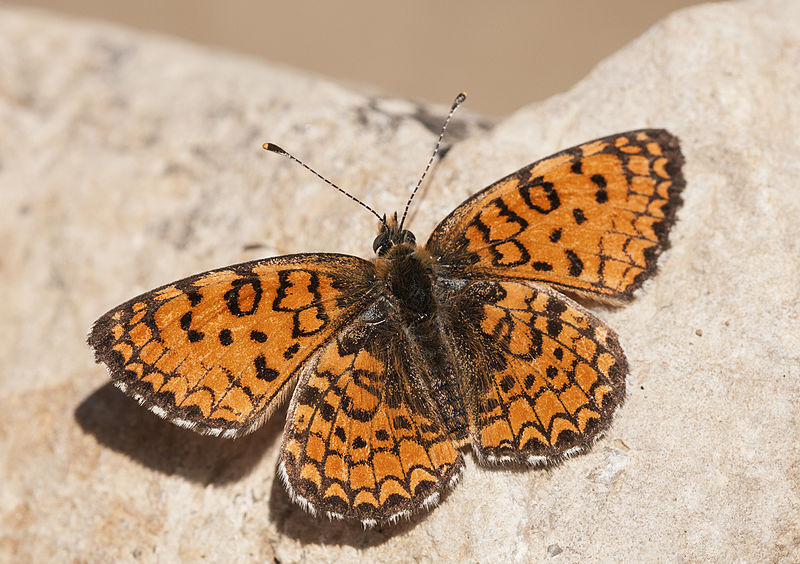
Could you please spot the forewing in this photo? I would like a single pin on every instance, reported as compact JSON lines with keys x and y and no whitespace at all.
{"x":216,"y":351}
{"x":590,"y":220}
{"x":543,"y":376}
{"x":361,"y":442}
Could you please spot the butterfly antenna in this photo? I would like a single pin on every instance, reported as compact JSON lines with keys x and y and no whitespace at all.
{"x":456,"y":103}
{"x":273,"y":148}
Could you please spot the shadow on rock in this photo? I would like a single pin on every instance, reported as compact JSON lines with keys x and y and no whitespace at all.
{"x":121,"y":424}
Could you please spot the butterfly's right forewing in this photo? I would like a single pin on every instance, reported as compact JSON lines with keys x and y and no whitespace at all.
{"x":591,"y":220}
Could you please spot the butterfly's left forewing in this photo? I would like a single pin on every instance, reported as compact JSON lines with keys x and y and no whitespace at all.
{"x":215,"y":352}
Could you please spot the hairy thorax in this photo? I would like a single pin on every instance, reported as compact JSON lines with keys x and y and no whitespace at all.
{"x":407,"y":273}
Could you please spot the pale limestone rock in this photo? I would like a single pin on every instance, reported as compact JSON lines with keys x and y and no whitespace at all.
{"x":127,"y":161}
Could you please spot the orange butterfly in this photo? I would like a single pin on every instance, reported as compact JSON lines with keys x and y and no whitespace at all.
{"x":394,"y":364}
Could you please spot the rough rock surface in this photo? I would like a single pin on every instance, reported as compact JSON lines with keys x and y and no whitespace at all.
{"x":127,"y":161}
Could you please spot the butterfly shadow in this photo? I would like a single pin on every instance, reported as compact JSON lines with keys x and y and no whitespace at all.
{"x":119,"y":423}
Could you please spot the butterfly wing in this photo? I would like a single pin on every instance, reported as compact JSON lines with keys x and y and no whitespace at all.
{"x":542,"y":375}
{"x":215,"y":352}
{"x":362,"y":438}
{"x":591,"y":220}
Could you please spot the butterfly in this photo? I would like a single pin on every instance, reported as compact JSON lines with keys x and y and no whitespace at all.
{"x":394,"y":364}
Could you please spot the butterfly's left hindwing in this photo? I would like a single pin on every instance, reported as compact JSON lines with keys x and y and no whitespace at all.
{"x":215,"y":352}
{"x":542,"y":376}
{"x":363,"y":439}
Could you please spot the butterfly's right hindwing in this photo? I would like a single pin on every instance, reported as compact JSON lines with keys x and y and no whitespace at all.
{"x":542,"y":377}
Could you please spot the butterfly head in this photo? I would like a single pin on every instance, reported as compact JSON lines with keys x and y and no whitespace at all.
{"x":390,"y":235}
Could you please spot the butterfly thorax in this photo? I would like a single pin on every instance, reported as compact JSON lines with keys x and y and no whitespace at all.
{"x":407,"y":272}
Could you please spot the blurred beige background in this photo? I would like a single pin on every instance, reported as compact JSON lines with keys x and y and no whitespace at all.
{"x":504,"y":54}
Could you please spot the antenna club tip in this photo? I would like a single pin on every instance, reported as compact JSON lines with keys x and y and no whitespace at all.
{"x":461,"y":97}
{"x":273,"y":148}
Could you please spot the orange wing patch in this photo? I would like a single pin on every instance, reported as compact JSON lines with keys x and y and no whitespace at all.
{"x":357,"y":443}
{"x":214,"y":352}
{"x":591,"y":220}
{"x":547,"y":375}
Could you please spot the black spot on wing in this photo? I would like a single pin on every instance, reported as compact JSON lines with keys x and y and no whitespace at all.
{"x":575,"y":263}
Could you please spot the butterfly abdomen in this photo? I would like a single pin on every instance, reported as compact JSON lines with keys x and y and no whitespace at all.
{"x":408,"y":273}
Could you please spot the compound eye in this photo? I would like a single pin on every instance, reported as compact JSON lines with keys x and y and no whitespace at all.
{"x":408,"y":237}
{"x":380,"y":245}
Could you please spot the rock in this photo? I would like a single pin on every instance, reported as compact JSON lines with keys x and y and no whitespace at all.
{"x":128,"y":161}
